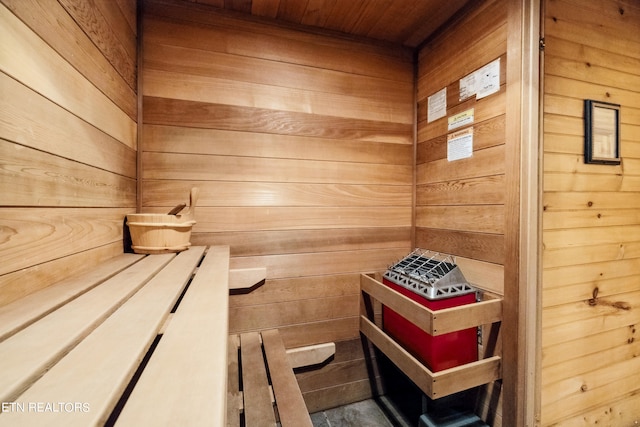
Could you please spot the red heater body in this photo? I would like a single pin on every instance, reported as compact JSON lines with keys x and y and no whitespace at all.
{"x":436,"y":284}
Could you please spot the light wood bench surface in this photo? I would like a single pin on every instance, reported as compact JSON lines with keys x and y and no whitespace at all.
{"x":72,"y":359}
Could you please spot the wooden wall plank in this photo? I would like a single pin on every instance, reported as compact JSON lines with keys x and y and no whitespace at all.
{"x":267,"y":193}
{"x":246,"y":243}
{"x":34,"y":236}
{"x":67,"y":142}
{"x":41,"y":179}
{"x":28,"y":59}
{"x":51,"y":22}
{"x":21,"y":113}
{"x":590,"y":224}
{"x":176,"y":112}
{"x":302,"y":146}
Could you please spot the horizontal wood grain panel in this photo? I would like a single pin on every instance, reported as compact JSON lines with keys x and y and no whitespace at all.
{"x":227,"y":168}
{"x":592,"y":272}
{"x":487,"y":162}
{"x":247,"y":243}
{"x":453,"y":99}
{"x":483,"y":190}
{"x":160,"y":193}
{"x":563,"y":86}
{"x":445,"y":69}
{"x":225,"y":117}
{"x":474,"y":218}
{"x":21,"y":113}
{"x":311,"y":333}
{"x":34,"y":178}
{"x":31,"y":279}
{"x":575,"y":349}
{"x":591,"y":362}
{"x":339,"y":395}
{"x":581,"y":292}
{"x":553,"y":220}
{"x":322,"y":263}
{"x":299,"y":288}
{"x":174,"y":139}
{"x":485,"y":275}
{"x":213,"y":220}
{"x":52,"y":23}
{"x":333,"y":374}
{"x":485,"y":134}
{"x":580,"y":27}
{"x":484,"y":109}
{"x":480,"y":246}
{"x":589,"y":59}
{"x":279,"y":314}
{"x":559,"y":201}
{"x":164,"y":84}
{"x":557,"y":319}
{"x":219,"y":32}
{"x":574,"y":164}
{"x":590,"y":72}
{"x":480,"y":36}
{"x":607,"y":252}
{"x":28,"y":59}
{"x":618,"y":381}
{"x":111,"y":34}
{"x":620,"y":411}
{"x":569,"y":182}
{"x":32,"y":236}
{"x":199,"y":62}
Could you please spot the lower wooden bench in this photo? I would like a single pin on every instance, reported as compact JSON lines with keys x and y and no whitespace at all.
{"x":124,"y":344}
{"x":262,"y":387}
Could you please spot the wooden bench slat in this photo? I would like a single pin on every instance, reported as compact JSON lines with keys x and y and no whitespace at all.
{"x":258,"y":406}
{"x":291,"y":406}
{"x":36,"y":348}
{"x":98,"y":369}
{"x":234,"y":396}
{"x":185,"y":381}
{"x":21,"y":313}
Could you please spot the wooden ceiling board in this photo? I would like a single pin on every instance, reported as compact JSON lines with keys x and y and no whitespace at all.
{"x":403,"y":22}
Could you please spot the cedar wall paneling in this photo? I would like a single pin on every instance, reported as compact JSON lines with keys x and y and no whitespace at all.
{"x":591,"y":220}
{"x":67,"y":137}
{"x":301,"y":145}
{"x":460,"y":205}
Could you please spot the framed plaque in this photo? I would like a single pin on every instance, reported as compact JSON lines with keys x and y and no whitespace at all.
{"x":601,"y":132}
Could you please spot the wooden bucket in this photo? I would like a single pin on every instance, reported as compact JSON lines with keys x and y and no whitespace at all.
{"x":163,"y":233}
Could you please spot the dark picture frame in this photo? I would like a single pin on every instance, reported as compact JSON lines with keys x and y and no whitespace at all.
{"x":601,"y":132}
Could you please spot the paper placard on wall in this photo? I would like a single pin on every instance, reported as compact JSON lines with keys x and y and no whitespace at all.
{"x":461,"y":119}
{"x":460,"y":144}
{"x":482,"y":82}
{"x":437,"y":105}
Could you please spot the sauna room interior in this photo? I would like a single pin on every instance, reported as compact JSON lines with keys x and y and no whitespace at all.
{"x":329,"y":139}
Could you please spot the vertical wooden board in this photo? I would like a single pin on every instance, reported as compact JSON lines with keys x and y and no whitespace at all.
{"x":291,"y":407}
{"x":258,"y":408}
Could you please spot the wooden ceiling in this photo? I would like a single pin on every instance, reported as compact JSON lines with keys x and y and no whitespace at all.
{"x":405,"y":22}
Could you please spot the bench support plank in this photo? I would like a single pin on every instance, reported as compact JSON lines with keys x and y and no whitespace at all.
{"x":291,"y":407}
{"x":258,"y":406}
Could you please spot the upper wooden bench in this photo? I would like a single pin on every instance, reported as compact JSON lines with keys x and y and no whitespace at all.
{"x":124,"y":344}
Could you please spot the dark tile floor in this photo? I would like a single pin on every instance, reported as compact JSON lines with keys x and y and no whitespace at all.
{"x":360,"y":414}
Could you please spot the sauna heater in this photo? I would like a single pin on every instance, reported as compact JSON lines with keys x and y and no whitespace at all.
{"x":435,"y":281}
